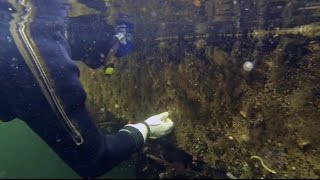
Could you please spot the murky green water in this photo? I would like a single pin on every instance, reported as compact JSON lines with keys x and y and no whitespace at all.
{"x":25,"y":155}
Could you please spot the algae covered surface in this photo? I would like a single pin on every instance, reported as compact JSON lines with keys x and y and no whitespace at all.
{"x":229,"y":123}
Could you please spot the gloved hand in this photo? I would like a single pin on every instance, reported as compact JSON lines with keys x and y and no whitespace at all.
{"x":124,"y":29}
{"x":155,"y":126}
{"x":159,"y":125}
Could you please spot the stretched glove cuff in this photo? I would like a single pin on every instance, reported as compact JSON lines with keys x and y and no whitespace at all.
{"x":148,"y":127}
{"x":142,"y":129}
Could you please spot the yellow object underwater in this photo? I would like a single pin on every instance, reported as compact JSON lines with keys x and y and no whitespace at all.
{"x":263,"y":165}
{"x":109,"y":71}
{"x":196,"y":3}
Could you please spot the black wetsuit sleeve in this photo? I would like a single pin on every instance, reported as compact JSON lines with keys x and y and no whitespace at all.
{"x":99,"y":153}
{"x":26,"y":95}
{"x":90,"y":39}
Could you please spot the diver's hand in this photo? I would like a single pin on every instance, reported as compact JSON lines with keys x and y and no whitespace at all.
{"x":159,"y":125}
{"x":155,"y":126}
{"x":124,"y":36}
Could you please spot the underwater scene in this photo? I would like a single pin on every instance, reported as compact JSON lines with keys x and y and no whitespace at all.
{"x":239,"y":78}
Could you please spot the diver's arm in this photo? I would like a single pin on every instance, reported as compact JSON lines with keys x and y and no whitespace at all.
{"x":99,"y":152}
{"x":93,"y":41}
{"x":105,"y":151}
{"x":90,"y":39}
{"x":42,"y":88}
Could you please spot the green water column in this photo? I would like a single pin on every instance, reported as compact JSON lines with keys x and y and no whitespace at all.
{"x":23,"y":154}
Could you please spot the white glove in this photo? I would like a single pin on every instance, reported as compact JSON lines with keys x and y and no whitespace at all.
{"x":156,"y":126}
{"x":160,"y":125}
